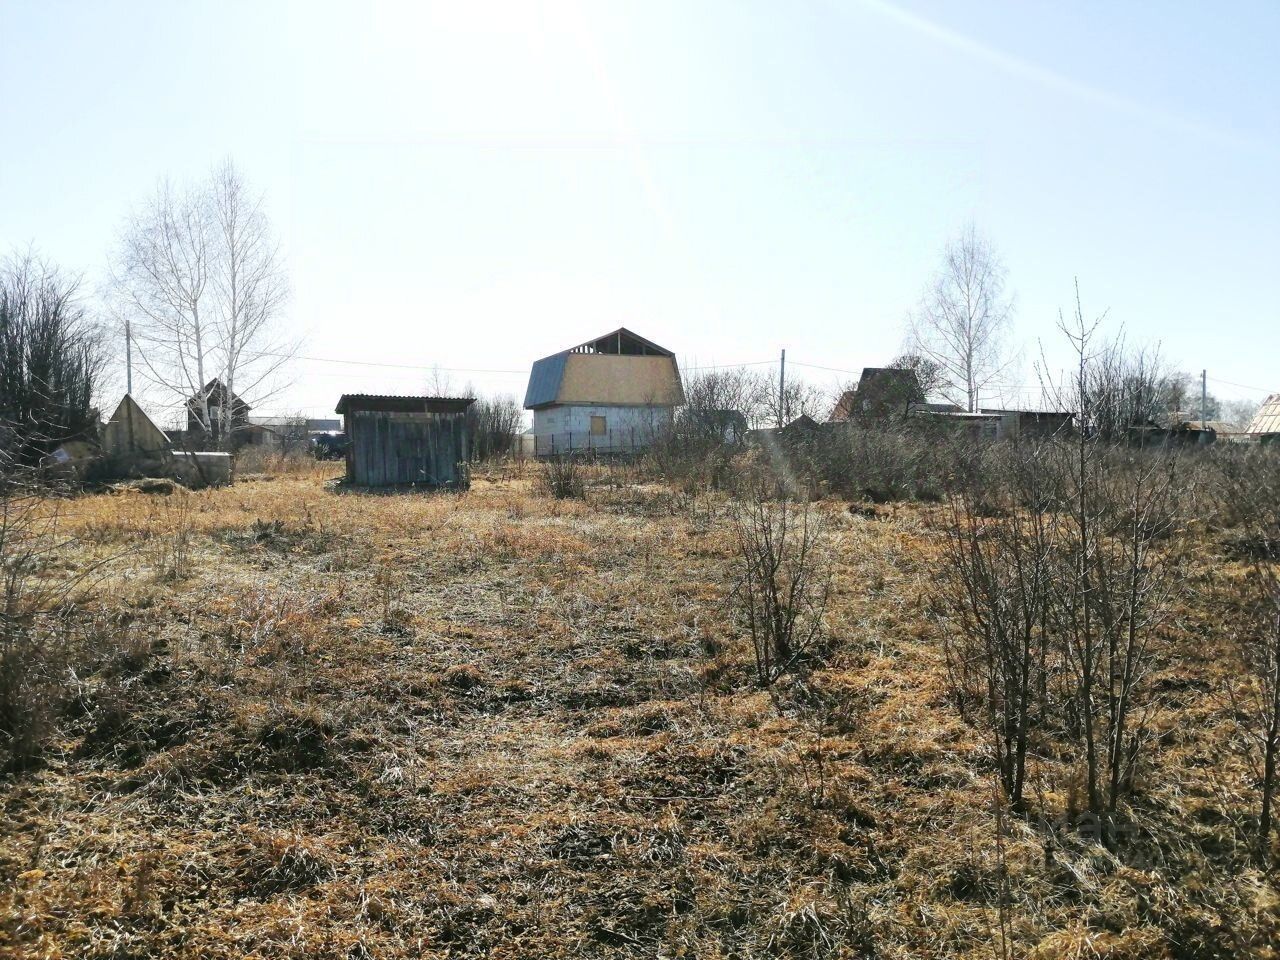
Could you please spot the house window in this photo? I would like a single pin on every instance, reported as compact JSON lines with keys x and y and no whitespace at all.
{"x":598,"y":426}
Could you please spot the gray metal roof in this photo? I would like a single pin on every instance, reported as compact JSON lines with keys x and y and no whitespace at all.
{"x":390,"y":403}
{"x":1267,"y":420}
{"x":544,"y":380}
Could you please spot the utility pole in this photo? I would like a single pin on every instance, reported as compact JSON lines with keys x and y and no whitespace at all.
{"x":1204,"y":397}
{"x":782,"y":390}
{"x":128,"y":357}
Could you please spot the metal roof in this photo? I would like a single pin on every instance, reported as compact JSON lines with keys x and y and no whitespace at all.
{"x":391,"y":403}
{"x":1267,"y":419}
{"x":547,"y":375}
{"x":544,"y":380}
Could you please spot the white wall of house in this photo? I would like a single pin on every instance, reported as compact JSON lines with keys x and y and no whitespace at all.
{"x":597,"y":426}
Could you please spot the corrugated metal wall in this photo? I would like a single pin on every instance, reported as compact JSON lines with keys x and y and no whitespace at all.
{"x":389,"y":449}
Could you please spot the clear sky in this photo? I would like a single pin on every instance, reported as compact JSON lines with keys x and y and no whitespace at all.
{"x":476,"y":185}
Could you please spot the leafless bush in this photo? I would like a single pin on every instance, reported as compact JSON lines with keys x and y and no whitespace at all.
{"x":1252,"y":484}
{"x":1115,"y":576}
{"x":784,"y":581}
{"x":50,"y":357}
{"x":495,"y":427}
{"x":563,"y":479}
{"x":33,"y":641}
{"x":999,"y":589}
{"x":1060,"y":563}
{"x":882,"y":462}
{"x":1257,"y":698}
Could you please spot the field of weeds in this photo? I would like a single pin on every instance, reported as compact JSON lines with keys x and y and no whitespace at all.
{"x":288,"y":721}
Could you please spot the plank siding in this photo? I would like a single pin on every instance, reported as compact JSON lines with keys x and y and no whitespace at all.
{"x":394,"y":449}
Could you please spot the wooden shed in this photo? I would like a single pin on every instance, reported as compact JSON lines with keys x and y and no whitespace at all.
{"x":406,"y":441}
{"x":130,"y":433}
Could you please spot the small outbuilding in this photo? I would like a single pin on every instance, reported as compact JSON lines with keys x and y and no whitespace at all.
{"x":406,"y":441}
{"x":1265,"y":426}
{"x":131,"y":434}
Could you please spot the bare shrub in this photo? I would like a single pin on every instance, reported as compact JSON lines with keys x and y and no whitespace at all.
{"x":1060,"y":563}
{"x":998,"y":589}
{"x":1253,"y":490}
{"x":784,"y":581}
{"x":33,"y":637}
{"x":170,"y":536}
{"x":50,"y":358}
{"x":495,"y":427}
{"x":1257,"y":699}
{"x":1115,"y":575}
{"x":563,"y":479}
{"x":877,"y":461}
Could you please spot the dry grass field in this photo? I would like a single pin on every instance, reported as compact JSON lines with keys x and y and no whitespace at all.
{"x":306,"y":723}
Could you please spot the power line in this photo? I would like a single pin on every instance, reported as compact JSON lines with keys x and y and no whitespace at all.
{"x":1242,"y":386}
{"x":814,"y":366}
{"x":431,"y":366}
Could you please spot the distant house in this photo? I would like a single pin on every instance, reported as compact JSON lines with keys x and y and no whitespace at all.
{"x":881,"y":393}
{"x":215,"y":397}
{"x":406,"y":441}
{"x":275,"y":432}
{"x":1265,"y":425}
{"x":997,"y":424}
{"x":613,"y":394}
{"x":1039,"y":424}
{"x":977,"y":426}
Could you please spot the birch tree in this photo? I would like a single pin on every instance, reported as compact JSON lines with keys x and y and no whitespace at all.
{"x":963,"y":318}
{"x":199,"y":282}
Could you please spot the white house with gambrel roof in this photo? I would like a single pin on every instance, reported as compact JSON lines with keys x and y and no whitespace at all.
{"x":612,"y":394}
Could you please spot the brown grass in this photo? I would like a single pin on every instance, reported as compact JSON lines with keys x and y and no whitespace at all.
{"x":498,"y":723}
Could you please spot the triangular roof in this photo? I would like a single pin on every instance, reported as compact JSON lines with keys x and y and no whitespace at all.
{"x":213,"y":387}
{"x":878,"y":383}
{"x":622,"y":342}
{"x":1267,"y":420}
{"x":130,"y":430}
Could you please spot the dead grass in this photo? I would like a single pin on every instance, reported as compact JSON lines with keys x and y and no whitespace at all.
{"x":504,"y":724}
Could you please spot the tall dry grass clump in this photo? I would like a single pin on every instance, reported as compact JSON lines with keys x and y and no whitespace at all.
{"x":563,"y":478}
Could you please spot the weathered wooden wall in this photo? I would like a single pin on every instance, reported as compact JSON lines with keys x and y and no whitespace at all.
{"x":390,"y":449}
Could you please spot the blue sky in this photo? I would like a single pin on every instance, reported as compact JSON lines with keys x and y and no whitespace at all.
{"x":477,"y":185}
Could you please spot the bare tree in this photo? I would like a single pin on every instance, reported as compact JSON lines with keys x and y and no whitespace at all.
{"x":714,"y":400}
{"x":963,"y":317}
{"x":799,"y":398}
{"x":1239,"y":413}
{"x":1115,"y":578}
{"x":929,"y":373}
{"x":50,"y":359}
{"x":251,"y":288}
{"x":199,"y":281}
{"x":495,"y":426}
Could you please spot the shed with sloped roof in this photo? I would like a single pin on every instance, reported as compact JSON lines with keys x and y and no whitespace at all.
{"x":406,"y":441}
